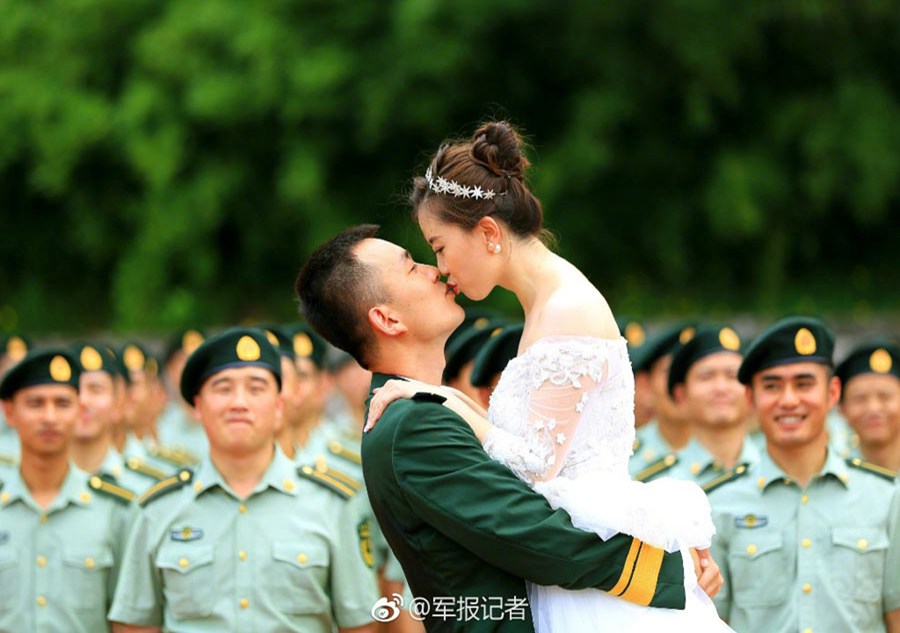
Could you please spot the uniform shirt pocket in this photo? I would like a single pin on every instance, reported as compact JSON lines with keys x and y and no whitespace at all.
{"x":10,"y":582}
{"x":299,"y":577}
{"x":87,"y":569}
{"x":759,"y":564}
{"x":188,"y":579}
{"x":858,"y":559}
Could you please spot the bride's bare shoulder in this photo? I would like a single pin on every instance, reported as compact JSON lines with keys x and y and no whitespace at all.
{"x":576,"y":308}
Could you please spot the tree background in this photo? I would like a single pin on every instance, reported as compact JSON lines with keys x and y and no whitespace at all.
{"x":166,"y":164}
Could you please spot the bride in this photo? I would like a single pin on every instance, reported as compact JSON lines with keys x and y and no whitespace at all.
{"x":561,"y":417}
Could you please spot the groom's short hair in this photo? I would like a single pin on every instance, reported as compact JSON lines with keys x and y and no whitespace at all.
{"x":336,"y":291}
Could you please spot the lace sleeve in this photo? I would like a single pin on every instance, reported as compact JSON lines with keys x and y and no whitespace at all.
{"x":558,"y":385}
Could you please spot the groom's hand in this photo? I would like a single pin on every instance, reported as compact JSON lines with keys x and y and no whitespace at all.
{"x":708,"y":575}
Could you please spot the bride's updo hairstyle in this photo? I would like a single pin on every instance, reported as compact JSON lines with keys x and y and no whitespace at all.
{"x":483,"y":176}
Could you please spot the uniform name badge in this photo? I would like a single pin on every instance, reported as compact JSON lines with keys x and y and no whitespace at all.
{"x":751,"y":521}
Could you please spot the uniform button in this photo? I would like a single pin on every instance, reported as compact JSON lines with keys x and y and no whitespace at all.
{"x":804,"y":499}
{"x":183,"y":563}
{"x":198,"y":486}
{"x":89,"y":562}
{"x":85,"y":497}
{"x":41,"y":601}
{"x":302,"y":558}
{"x":242,"y":509}
{"x":244,"y":603}
{"x":695,"y":468}
{"x":41,"y":561}
{"x":807,"y":588}
{"x":862,"y":543}
{"x":43,"y":518}
{"x":4,"y":497}
{"x":288,"y":485}
{"x":807,"y":631}
{"x":806,"y":543}
{"x":751,"y":549}
{"x":242,"y":555}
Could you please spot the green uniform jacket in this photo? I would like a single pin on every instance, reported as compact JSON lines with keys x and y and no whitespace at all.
{"x":463,"y":525}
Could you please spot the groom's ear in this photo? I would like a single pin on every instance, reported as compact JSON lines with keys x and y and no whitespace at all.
{"x":385,"y":320}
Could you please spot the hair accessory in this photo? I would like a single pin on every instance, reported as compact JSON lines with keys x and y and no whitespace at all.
{"x":443,"y":185}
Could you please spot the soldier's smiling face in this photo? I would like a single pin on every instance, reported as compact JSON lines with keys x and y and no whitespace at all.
{"x":792,"y":402}
{"x":239,"y":408}
{"x":44,"y":417}
{"x":871,"y":404}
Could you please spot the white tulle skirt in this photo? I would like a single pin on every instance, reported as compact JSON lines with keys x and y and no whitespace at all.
{"x":666,"y":513}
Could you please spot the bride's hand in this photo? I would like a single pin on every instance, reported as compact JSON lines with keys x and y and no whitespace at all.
{"x":394,"y":390}
{"x":709,"y":577}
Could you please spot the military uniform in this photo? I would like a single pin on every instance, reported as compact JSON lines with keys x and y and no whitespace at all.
{"x":697,"y":464}
{"x":822,"y":558}
{"x":132,"y":477}
{"x":182,"y":440}
{"x":59,"y":565}
{"x":293,"y":556}
{"x":653,"y":457}
{"x":462,"y":524}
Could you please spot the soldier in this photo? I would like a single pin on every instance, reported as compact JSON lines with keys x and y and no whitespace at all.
{"x":250,"y":542}
{"x":102,"y":395}
{"x":501,"y":347}
{"x":807,"y":541}
{"x":176,"y":426}
{"x":61,"y":530}
{"x":870,"y":401}
{"x":703,"y":379}
{"x":12,"y":351}
{"x":659,"y":440}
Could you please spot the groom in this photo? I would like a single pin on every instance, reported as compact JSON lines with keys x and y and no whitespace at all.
{"x":467,"y":532}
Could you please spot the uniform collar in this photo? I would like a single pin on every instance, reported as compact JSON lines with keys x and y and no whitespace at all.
{"x":280,"y":475}
{"x":113,"y":464}
{"x":771,"y":473}
{"x":73,"y":490}
{"x":699,"y":459}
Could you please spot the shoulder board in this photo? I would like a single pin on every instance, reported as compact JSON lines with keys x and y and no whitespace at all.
{"x":138,"y":465}
{"x":166,"y":486}
{"x":339,"y":450}
{"x":108,"y":486}
{"x":175,"y":456}
{"x":7,"y":459}
{"x":875,"y":469}
{"x":328,"y":481}
{"x":735,"y":473}
{"x":657,"y":467}
{"x":348,"y":480}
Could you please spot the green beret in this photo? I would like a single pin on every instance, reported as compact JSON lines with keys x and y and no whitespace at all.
{"x":235,"y":347}
{"x":501,"y":347}
{"x":791,"y":340}
{"x":15,"y":346}
{"x":306,"y":343}
{"x":280,"y":339}
{"x":707,"y":340}
{"x":474,"y":316}
{"x":871,"y":357}
{"x":633,"y":331}
{"x":97,"y":358}
{"x":465,"y":345}
{"x":184,"y":341}
{"x":41,"y":367}
{"x":666,"y":342}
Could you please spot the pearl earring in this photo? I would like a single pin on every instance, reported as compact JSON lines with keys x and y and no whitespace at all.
{"x":496,"y":248}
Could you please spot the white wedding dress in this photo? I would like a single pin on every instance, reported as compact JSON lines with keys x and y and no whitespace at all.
{"x":563,"y":416}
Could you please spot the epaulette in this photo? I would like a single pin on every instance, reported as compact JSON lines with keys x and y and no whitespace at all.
{"x":875,"y":469}
{"x":138,"y":465}
{"x":106,"y":485}
{"x":9,"y":460}
{"x":175,"y":456}
{"x":339,"y":450}
{"x":735,"y":473}
{"x":166,"y":486}
{"x":327,"y":480}
{"x":657,"y":467}
{"x":348,"y":480}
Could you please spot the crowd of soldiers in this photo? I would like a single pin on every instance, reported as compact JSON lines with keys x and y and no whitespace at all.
{"x":134,"y":491}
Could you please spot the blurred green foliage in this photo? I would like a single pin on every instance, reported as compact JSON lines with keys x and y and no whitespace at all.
{"x":166,"y":163}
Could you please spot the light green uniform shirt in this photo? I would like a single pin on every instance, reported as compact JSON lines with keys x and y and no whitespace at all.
{"x":650,"y":448}
{"x":9,"y":445}
{"x":178,"y":430}
{"x":824,"y":559}
{"x":114,"y":466}
{"x":59,"y":565}
{"x":696,"y":464}
{"x":291,"y":557}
